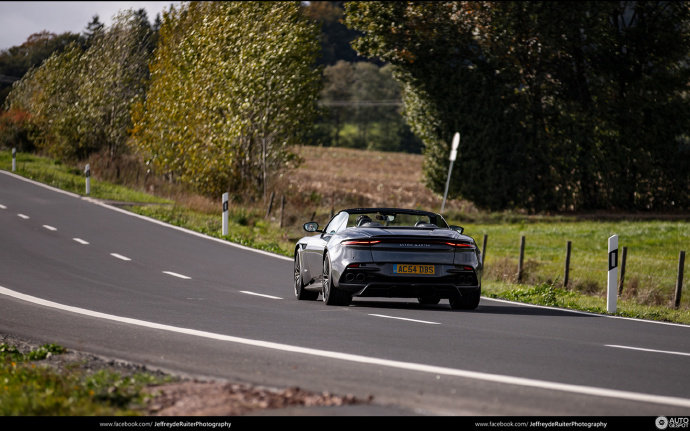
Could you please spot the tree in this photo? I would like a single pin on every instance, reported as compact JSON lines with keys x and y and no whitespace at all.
{"x":49,"y":94}
{"x":233,"y":87}
{"x":545,"y":94}
{"x":336,"y":92}
{"x":93,"y":29}
{"x":80,"y":101}
{"x":366,"y":99}
{"x":335,"y":37}
{"x":17,"y":60}
{"x":115,"y":74}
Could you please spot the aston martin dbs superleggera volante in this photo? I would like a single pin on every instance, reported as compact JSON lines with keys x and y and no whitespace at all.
{"x":388,"y":252}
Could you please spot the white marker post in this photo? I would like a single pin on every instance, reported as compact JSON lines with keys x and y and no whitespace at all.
{"x":14,"y":159}
{"x":612,"y":285}
{"x":225,"y":213}
{"x":453,"y":156}
{"x":87,"y":172}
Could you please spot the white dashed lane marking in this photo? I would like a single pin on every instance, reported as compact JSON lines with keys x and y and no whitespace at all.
{"x":260,"y":294}
{"x":2,"y":207}
{"x":119,"y":256}
{"x":174,"y":274}
{"x":50,"y":227}
{"x":667,"y":352}
{"x":24,"y":216}
{"x":403,"y":318}
{"x":81,"y":241}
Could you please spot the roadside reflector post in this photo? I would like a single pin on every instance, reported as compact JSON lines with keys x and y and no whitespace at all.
{"x":679,"y":281}
{"x":226,"y":196}
{"x":612,"y":284}
{"x":486,"y":237}
{"x":568,"y":247}
{"x":14,"y":159}
{"x":87,"y":172}
{"x":453,"y":156}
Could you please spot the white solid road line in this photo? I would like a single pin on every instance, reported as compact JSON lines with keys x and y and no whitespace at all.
{"x":668,"y":352}
{"x":260,"y":294}
{"x":50,"y":227}
{"x":81,"y":241}
{"x":403,"y":318}
{"x":119,"y":256}
{"x":409,"y":366}
{"x":24,"y":216}
{"x":174,"y":274}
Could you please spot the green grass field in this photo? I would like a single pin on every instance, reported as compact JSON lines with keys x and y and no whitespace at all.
{"x":651,"y":265}
{"x":652,"y":252}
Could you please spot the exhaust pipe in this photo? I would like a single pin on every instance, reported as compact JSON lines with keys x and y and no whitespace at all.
{"x":349,"y":277}
{"x":360,"y":277}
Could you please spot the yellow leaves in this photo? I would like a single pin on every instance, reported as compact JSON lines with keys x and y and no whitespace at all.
{"x":228,"y":75}
{"x":406,"y":55}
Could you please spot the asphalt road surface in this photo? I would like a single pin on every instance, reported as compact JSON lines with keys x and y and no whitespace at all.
{"x":102,"y":280}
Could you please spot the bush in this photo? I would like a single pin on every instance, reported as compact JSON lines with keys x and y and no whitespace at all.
{"x":16,"y":130}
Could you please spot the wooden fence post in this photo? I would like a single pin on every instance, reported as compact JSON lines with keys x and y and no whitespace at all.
{"x":567,"y":263}
{"x":679,"y":280}
{"x":282,"y":209}
{"x":522,"y":256}
{"x":270,"y":204}
{"x":622,"y":279}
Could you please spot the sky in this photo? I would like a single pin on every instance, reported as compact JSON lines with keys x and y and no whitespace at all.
{"x":20,"y":19}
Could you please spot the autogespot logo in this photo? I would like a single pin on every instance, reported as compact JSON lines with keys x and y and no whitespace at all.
{"x":663,"y":423}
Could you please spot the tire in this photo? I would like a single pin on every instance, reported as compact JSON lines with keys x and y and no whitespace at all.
{"x":469,"y":300}
{"x":429,"y":300}
{"x":300,"y":292}
{"x":331,"y":295}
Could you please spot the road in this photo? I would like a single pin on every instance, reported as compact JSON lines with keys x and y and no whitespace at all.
{"x":99,"y":279}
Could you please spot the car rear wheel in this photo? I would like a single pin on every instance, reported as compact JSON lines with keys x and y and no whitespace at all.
{"x":469,"y":300}
{"x":300,"y":292}
{"x":331,"y":295}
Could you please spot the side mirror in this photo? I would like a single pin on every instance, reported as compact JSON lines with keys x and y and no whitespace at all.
{"x":458,"y":229}
{"x":312,"y":226}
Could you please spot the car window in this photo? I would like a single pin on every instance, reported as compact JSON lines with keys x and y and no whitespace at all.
{"x":338,"y":223}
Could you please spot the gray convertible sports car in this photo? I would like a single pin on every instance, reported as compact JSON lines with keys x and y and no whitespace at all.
{"x":388,"y":252}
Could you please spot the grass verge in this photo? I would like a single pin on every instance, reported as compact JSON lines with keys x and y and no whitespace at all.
{"x":31,"y":388}
{"x":71,"y":179}
{"x":552,"y":296}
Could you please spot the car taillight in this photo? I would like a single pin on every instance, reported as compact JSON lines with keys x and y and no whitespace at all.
{"x":359,"y":242}
{"x":459,"y":244}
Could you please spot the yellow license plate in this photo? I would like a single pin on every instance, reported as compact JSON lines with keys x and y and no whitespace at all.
{"x":414,"y":269}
